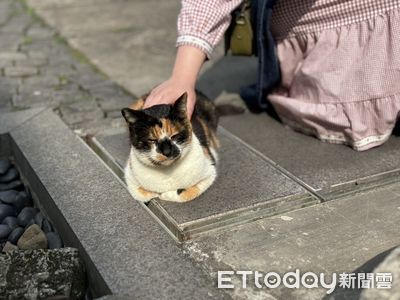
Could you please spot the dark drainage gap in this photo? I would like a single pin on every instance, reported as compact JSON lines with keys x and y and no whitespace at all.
{"x":361,"y":185}
{"x":96,"y":286}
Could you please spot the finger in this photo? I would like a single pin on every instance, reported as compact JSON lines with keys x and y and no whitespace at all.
{"x":158,"y":99}
{"x":150,"y":100}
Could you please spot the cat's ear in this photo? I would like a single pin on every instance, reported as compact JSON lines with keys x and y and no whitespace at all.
{"x":180,"y":106}
{"x":131,"y":116}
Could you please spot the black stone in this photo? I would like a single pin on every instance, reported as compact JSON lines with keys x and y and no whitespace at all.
{"x":39,"y":219}
{"x":47,"y":227}
{"x":5,"y":230}
{"x":31,"y":222}
{"x":8,"y":197}
{"x":13,"y":185}
{"x":53,"y":240}
{"x":4,"y":166}
{"x":16,"y":185}
{"x":26,"y":216}
{"x":7,"y":210}
{"x":12,"y":222}
{"x":10,"y":175}
{"x":15,"y":235}
{"x":22,"y":200}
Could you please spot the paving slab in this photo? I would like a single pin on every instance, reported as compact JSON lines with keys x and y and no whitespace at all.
{"x":246,"y":185}
{"x":335,"y":236}
{"x":10,"y":120}
{"x":39,"y":69}
{"x":321,"y":166}
{"x":126,"y":250}
{"x":228,"y":75}
{"x":145,"y":32}
{"x":146,"y":41}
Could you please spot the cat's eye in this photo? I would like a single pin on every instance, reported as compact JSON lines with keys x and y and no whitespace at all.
{"x":175,"y":136}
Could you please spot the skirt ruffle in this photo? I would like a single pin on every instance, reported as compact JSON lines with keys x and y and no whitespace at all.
{"x":342,"y":84}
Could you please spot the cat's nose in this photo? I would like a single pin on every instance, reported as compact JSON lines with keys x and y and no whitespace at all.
{"x":166,"y":148}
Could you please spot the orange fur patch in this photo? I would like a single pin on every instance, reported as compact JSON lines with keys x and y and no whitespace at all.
{"x":169,"y":129}
{"x":137,"y":105}
{"x":166,"y":128}
{"x":190,"y":193}
{"x":144,"y":192}
{"x":161,"y":157}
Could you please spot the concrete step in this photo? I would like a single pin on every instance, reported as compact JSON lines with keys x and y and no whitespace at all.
{"x":329,"y":170}
{"x":344,"y":235}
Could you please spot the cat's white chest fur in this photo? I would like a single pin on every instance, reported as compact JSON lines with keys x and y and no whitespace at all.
{"x":186,"y":172}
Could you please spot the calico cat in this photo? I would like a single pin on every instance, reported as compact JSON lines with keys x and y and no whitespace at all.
{"x":171,"y":157}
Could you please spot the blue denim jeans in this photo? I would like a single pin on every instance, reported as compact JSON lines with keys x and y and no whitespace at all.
{"x":268,"y":67}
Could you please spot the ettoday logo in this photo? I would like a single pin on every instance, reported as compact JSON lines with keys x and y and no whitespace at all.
{"x":295,"y":279}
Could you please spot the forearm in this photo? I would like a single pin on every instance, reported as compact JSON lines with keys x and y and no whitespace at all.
{"x":201,"y":25}
{"x":188,"y":63}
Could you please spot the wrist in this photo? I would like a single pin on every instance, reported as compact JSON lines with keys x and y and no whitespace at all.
{"x":183,"y":80}
{"x":188,"y":63}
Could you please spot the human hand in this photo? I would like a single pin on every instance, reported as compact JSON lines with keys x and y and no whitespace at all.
{"x":183,"y":79}
{"x":169,"y":91}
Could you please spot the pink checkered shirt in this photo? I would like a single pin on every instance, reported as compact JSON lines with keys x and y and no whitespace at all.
{"x":202,"y":23}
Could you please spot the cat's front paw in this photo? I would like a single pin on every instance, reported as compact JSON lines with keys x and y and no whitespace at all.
{"x":143,"y":195}
{"x":181,"y":195}
{"x":171,"y":196}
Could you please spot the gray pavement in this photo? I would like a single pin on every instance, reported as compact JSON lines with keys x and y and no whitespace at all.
{"x":325,"y":168}
{"x":133,"y":43}
{"x":334,"y":237}
{"x":354,"y":196}
{"x":38,"y":68}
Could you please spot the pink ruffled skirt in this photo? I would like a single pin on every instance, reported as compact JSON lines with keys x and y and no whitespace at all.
{"x":340,"y":66}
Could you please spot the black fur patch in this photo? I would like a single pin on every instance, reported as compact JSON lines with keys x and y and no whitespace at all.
{"x":205,"y":110}
{"x":182,"y":137}
{"x":199,"y":132}
{"x":138,"y":133}
{"x":180,"y":191}
{"x":201,"y":135}
{"x":158,"y":111}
